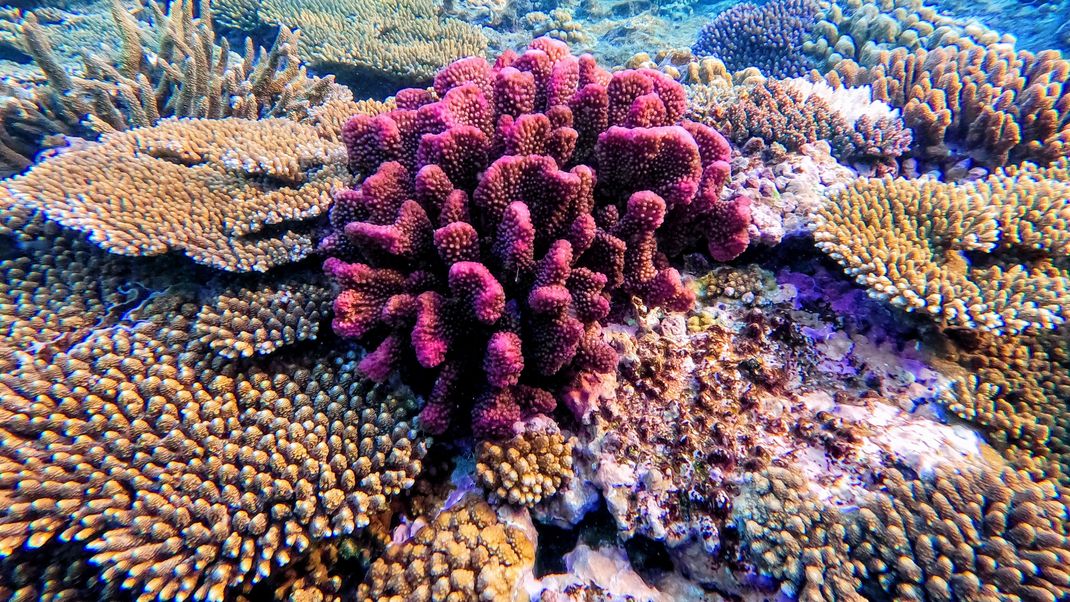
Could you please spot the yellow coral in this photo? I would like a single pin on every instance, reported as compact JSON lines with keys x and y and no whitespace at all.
{"x":466,"y":553}
{"x":391,"y":39}
{"x":526,"y":469}
{"x":208,"y":188}
{"x":987,"y":255}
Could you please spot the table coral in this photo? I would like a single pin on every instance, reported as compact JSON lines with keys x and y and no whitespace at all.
{"x":767,"y":36}
{"x":503,"y":300}
{"x":155,"y":77}
{"x":393,"y":40}
{"x":526,"y":469}
{"x":988,"y":254}
{"x":465,"y":552}
{"x":991,"y":104}
{"x":208,"y":188}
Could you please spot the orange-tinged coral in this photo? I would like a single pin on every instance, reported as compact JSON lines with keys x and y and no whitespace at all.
{"x":234,"y":194}
{"x":526,"y":469}
{"x":988,"y":254}
{"x":464,"y":553}
{"x":991,"y":103}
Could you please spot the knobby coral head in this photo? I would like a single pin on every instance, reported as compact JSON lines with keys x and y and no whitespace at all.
{"x":500,"y":213}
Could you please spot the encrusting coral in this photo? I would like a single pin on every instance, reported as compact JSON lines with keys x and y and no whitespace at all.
{"x":396,"y":40}
{"x":970,"y":532}
{"x":767,"y":36}
{"x":525,"y":254}
{"x":991,"y":104}
{"x":211,"y":189}
{"x":526,"y":469}
{"x":466,"y":553}
{"x":989,"y":254}
{"x":169,"y":66}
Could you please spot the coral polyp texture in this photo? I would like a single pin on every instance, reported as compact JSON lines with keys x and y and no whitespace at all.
{"x":970,"y":532}
{"x":991,"y":104}
{"x":501,"y":211}
{"x":526,"y":469}
{"x":768,"y":36}
{"x":989,"y":254}
{"x":394,"y":40}
{"x":466,"y":552}
{"x":211,"y":189}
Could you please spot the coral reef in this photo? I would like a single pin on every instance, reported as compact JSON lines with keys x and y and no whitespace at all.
{"x":558,"y":24}
{"x":525,"y":255}
{"x":767,"y":36}
{"x":990,"y":104}
{"x":858,"y":31}
{"x":393,"y":40}
{"x":169,"y":66}
{"x":973,"y":532}
{"x":988,"y":254}
{"x":795,"y":112}
{"x":208,"y":188}
{"x":465,"y":552}
{"x":1016,"y":389}
{"x":526,"y":469}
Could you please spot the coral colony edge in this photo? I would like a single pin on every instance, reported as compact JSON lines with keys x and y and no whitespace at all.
{"x":562,"y":301}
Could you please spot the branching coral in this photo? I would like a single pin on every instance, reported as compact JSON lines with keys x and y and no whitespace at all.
{"x":767,"y":36}
{"x":396,"y":40}
{"x":179,"y":72}
{"x":794,"y":112}
{"x":989,"y":254}
{"x":526,"y":469}
{"x":858,"y":31}
{"x":965,"y":534}
{"x":466,"y":552}
{"x":468,"y":252}
{"x":1017,"y":390}
{"x":178,"y":471}
{"x":212,"y":189}
{"x":988,"y":103}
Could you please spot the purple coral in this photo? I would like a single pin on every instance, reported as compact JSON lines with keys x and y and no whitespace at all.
{"x":498,"y":216}
{"x":767,"y":36}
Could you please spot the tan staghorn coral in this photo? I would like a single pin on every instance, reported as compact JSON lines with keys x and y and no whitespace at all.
{"x":970,"y":531}
{"x":791,"y":535}
{"x":989,"y":254}
{"x":1016,"y":389}
{"x":465,"y":553}
{"x":182,"y":474}
{"x":992,"y":104}
{"x":526,"y":469}
{"x":233,"y":194}
{"x":965,"y":533}
{"x":393,"y":40}
{"x":169,"y":66}
{"x":260,"y":321}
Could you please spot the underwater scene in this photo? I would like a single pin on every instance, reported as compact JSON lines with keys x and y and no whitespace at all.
{"x":534,"y":300}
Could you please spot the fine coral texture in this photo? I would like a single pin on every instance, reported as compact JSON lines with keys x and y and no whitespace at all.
{"x":464,"y":553}
{"x":768,"y":36}
{"x":479,"y":251}
{"x":207,"y":188}
{"x":526,"y":469}
{"x":988,"y":255}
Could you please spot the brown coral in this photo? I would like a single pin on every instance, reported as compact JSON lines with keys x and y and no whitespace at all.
{"x":988,"y":254}
{"x":396,"y":40}
{"x":213,"y":189}
{"x":526,"y":469}
{"x":1016,"y":389}
{"x":169,"y":65}
{"x":965,"y":534}
{"x":793,"y":536}
{"x":260,"y":321}
{"x":466,"y":552}
{"x":989,"y":103}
